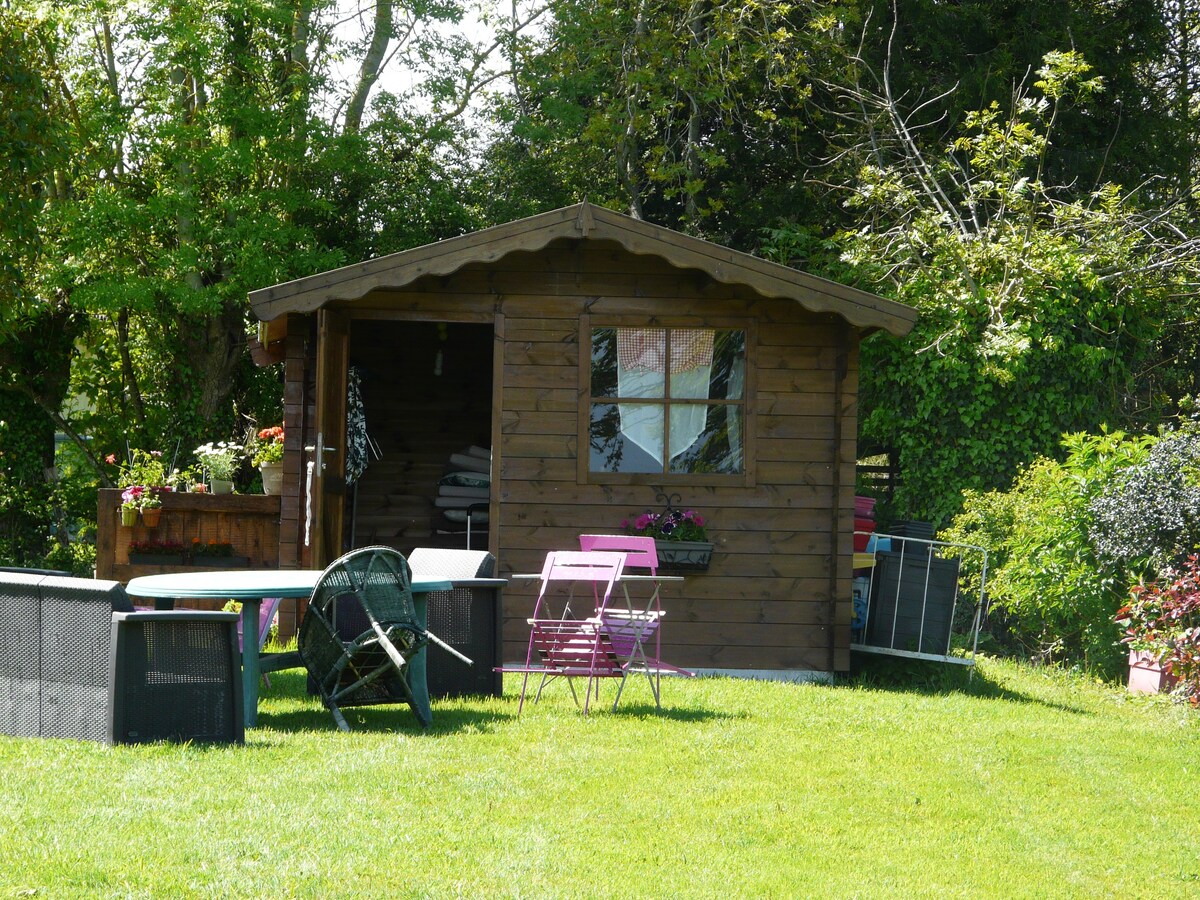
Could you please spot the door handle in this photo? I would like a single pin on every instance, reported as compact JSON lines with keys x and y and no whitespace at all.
{"x":320,"y":450}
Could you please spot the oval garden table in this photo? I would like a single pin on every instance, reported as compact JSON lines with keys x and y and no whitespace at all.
{"x":250,"y":587}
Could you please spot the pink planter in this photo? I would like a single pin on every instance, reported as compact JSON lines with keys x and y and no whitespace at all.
{"x":1146,"y":676}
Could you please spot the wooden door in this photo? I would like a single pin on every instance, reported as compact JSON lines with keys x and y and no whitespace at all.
{"x":328,"y":455}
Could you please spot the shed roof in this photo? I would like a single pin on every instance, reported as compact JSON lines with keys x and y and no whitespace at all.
{"x":586,"y":222}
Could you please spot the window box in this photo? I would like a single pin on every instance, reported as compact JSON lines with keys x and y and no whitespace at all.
{"x":221,"y":562}
{"x":683,"y":556}
{"x":156,"y":559}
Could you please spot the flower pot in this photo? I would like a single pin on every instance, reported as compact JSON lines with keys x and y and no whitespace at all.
{"x":151,"y":515}
{"x":220,"y":562}
{"x":683,"y":556}
{"x":155,"y":559}
{"x":199,"y":488}
{"x":129,"y":516}
{"x":221,"y":486}
{"x":1146,"y":676}
{"x":272,"y":478}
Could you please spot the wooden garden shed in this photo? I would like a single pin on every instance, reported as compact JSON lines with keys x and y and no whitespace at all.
{"x":605,"y":363}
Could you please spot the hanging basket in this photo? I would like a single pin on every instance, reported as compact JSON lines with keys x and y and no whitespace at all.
{"x":151,"y":515}
{"x":129,"y":516}
{"x":683,"y":556}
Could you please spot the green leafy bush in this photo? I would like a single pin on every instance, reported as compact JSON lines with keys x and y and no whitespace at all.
{"x":1149,"y":517}
{"x":77,"y":556}
{"x":1053,"y":596}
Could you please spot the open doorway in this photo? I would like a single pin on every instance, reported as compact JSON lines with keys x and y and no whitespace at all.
{"x":426,"y":390}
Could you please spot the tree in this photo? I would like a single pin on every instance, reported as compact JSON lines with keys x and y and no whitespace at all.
{"x":1045,"y":310}
{"x":37,"y":331}
{"x":693,"y":113}
{"x":170,"y":157}
{"x":964,"y":56}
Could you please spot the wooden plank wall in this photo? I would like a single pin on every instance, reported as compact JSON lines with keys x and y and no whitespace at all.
{"x":777,"y":595}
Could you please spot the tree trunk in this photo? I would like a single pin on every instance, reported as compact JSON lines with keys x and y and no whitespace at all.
{"x":369,"y":72}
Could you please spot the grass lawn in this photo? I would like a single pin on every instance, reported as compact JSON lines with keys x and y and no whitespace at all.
{"x":1019,"y":783}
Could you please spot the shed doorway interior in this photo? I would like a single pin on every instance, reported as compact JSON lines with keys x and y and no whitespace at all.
{"x":426,"y":391}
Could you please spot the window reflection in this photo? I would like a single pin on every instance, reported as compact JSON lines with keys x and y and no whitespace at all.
{"x":675,"y":400}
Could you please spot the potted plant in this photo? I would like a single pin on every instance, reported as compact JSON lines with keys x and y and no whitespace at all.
{"x":144,"y":477}
{"x":131,"y":503}
{"x":220,"y":461}
{"x":182,"y":480}
{"x":151,"y":508}
{"x":679,"y":536}
{"x":142,"y":467}
{"x":268,"y":456}
{"x":155,"y":553}
{"x":216,"y":554}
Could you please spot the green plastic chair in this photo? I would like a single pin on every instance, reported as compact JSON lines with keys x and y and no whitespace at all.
{"x":361,"y":632}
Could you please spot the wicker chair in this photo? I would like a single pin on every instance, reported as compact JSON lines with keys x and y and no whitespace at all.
{"x":361,"y":633}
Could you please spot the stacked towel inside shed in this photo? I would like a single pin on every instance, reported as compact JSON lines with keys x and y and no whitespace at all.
{"x":464,"y":491}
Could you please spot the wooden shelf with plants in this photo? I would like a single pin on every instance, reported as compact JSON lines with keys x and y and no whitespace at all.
{"x":243,"y":528}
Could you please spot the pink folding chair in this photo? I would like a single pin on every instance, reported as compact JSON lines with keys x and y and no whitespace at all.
{"x":634,"y":628}
{"x":565,"y":645}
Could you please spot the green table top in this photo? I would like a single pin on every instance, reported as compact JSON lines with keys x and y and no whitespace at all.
{"x":245,"y":584}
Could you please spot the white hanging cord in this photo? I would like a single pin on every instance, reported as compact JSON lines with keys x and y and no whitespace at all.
{"x":308,"y":502}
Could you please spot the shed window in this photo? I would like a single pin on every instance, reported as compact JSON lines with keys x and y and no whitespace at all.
{"x":667,"y":400}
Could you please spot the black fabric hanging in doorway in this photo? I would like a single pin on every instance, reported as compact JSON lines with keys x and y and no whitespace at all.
{"x":357,"y":439}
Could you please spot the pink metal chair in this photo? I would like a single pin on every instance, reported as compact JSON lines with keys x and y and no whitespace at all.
{"x":634,"y":628}
{"x":565,"y":645}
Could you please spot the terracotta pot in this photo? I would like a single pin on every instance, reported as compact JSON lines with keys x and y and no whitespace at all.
{"x":1146,"y":676}
{"x":151,"y":515}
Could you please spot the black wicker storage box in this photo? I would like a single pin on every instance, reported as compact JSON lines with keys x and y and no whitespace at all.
{"x":175,"y":677}
{"x":63,"y":661}
{"x":467,"y":617}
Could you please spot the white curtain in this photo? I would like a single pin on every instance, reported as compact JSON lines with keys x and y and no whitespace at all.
{"x":641,"y":372}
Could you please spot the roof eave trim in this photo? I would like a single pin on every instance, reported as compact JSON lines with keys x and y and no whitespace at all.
{"x":725,"y":265}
